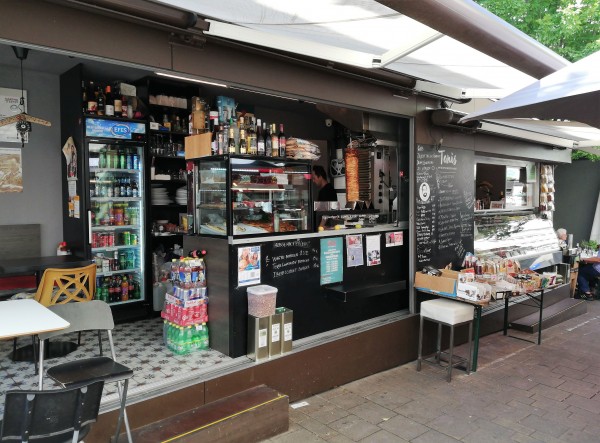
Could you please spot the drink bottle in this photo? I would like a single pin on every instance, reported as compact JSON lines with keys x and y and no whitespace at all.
{"x":109,"y":104}
{"x":282,"y":140}
{"x":274,"y":141}
{"x":260,"y":140}
{"x":267,"y":140}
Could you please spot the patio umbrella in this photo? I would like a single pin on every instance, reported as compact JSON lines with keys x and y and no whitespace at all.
{"x":571,"y":93}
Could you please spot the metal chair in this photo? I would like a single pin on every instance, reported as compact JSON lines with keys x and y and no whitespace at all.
{"x":57,"y":416}
{"x":93,"y":315}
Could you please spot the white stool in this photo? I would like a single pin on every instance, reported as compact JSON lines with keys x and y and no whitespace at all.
{"x":450,"y":313}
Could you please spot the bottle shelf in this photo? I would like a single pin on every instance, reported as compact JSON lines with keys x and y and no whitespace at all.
{"x":116,"y":199}
{"x":120,"y":271}
{"x":116,"y":248}
{"x":100,"y":170}
{"x":131,"y":300}
{"x":113,"y":118}
{"x":113,"y":227}
{"x":166,"y":131}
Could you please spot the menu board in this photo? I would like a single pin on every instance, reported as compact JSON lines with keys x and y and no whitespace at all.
{"x":445,"y":195}
{"x":290,"y":260}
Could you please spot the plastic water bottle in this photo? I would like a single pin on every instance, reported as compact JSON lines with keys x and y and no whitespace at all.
{"x":174,"y":271}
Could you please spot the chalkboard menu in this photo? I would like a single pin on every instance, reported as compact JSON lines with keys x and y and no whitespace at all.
{"x":290,"y":261}
{"x":444,"y":205}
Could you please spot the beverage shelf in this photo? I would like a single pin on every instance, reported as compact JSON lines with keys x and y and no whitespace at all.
{"x":115,"y":248}
{"x":131,"y":300}
{"x":114,"y":227}
{"x":131,"y":171}
{"x":116,"y":199}
{"x":120,"y":271}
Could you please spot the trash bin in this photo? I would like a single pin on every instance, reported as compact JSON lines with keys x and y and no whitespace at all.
{"x":287,"y":320}
{"x":275,"y":336}
{"x":258,"y":337}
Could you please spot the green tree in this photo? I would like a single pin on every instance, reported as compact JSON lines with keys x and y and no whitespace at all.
{"x":571,"y":28}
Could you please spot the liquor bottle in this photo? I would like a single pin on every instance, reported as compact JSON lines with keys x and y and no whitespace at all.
{"x":221,"y":140}
{"x":109,"y":104}
{"x":101,"y":98}
{"x":118,"y":102}
{"x":251,"y":140}
{"x":124,"y":107}
{"x":214,"y":126}
{"x":128,"y":160}
{"x":267,"y":140}
{"x":92,"y":101}
{"x":243,"y":148}
{"x":281,"y":137}
{"x":260,"y":141}
{"x":274,"y":141}
{"x":84,"y":97}
{"x":231,"y":141}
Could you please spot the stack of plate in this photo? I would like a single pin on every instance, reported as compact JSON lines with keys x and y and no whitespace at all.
{"x":160,"y":195}
{"x":181,"y":196}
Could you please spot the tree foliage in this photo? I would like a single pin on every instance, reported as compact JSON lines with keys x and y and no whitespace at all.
{"x":571,"y":28}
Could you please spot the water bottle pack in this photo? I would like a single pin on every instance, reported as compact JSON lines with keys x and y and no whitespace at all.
{"x":183,"y":340}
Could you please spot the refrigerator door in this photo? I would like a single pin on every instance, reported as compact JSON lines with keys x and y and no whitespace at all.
{"x":116,"y":218}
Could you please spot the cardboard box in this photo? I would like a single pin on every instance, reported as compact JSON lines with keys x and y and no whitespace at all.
{"x":197,"y":145}
{"x":446,"y":283}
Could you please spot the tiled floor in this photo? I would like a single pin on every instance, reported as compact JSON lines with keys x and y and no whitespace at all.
{"x":139,"y":345}
{"x":521,"y":393}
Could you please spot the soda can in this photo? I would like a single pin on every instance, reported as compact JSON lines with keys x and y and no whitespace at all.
{"x":126,"y":238}
{"x":134,"y":239}
{"x":105,"y":265}
{"x":111,"y":239}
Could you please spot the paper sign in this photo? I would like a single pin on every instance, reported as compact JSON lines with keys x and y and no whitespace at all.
{"x":331,"y":260}
{"x":354,"y":250}
{"x":373,"y":250}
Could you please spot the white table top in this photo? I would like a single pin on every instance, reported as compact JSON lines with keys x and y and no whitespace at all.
{"x":27,"y":317}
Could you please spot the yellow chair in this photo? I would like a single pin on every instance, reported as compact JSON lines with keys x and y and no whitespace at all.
{"x":59,"y":286}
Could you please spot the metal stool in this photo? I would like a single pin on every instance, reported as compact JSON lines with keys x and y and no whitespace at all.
{"x":449,"y":313}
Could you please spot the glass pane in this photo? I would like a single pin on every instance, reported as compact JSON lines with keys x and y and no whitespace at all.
{"x":269,"y":196}
{"x":211,"y":198}
{"x":116,"y":196}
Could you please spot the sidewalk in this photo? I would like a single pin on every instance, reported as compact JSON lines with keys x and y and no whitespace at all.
{"x":521,"y":393}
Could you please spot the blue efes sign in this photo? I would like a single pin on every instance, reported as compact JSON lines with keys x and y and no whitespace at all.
{"x":121,"y":131}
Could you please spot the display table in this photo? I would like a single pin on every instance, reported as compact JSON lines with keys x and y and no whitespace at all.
{"x":539,"y":303}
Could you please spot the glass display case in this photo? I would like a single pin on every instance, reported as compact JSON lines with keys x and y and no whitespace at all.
{"x":528,"y":238}
{"x":241,"y":195}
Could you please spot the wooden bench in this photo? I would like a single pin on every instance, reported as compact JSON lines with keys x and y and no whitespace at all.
{"x":249,"y":416}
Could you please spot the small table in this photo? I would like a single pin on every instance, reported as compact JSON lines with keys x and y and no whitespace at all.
{"x":478,"y":308}
{"x":28,"y":317}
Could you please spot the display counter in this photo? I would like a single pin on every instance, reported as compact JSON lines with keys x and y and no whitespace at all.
{"x":523,"y":236}
{"x":330,"y":279}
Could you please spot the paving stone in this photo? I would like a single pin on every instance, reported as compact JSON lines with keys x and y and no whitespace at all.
{"x":576,"y":436}
{"x":372,"y":412}
{"x":514,"y":425}
{"x":383,"y":437}
{"x":552,"y":393}
{"x":347,"y":400}
{"x":299,"y":436}
{"x":389,"y":399}
{"x":546,"y":426}
{"x":404,"y":427}
{"x":354,"y":427}
{"x":584,"y":403}
{"x":564,"y":370}
{"x":328,"y":413}
{"x":432,"y":436}
{"x":522,"y":438}
{"x":319,"y":429}
{"x":453,"y":426}
{"x":421,"y":411}
{"x":579,"y":387}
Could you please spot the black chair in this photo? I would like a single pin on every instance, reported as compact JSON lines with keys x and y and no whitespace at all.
{"x":57,"y":416}
{"x":91,"y":315}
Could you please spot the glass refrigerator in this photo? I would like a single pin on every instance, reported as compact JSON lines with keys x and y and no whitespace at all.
{"x":115,"y":213}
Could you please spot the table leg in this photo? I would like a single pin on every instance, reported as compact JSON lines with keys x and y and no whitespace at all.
{"x":541,"y":314}
{"x":476,"y":338}
{"x":505,"y":314}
